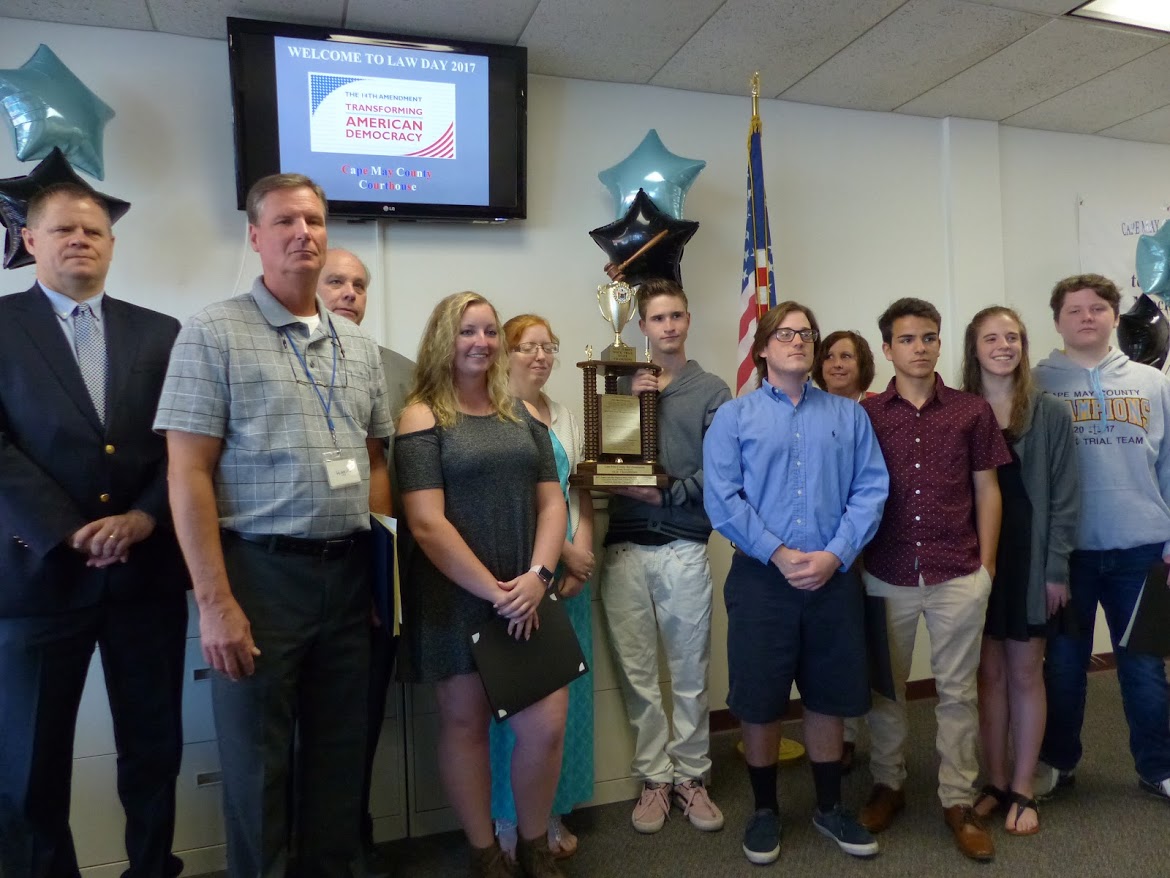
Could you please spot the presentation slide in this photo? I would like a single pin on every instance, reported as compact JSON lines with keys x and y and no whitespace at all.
{"x":378,"y":123}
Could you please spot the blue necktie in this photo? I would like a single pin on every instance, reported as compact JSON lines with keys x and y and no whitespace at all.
{"x":90,"y":345}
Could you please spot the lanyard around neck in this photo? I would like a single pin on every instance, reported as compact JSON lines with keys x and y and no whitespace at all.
{"x":326,"y":404}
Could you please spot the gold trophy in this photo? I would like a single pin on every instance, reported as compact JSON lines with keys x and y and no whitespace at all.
{"x":621,"y":430}
{"x":617,"y":301}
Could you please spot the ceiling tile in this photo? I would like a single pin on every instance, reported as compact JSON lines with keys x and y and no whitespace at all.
{"x":207,"y":18}
{"x":943,"y":37}
{"x":129,"y":14}
{"x":1131,"y":90}
{"x":1045,"y":7}
{"x":606,"y":39}
{"x":498,"y":21}
{"x":1153,"y":127}
{"x":783,"y":39}
{"x":1045,"y":63}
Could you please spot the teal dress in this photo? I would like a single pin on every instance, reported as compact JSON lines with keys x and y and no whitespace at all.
{"x":576,"y":783}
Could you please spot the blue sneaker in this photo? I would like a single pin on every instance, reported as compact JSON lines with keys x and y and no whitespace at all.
{"x":1161,"y":789}
{"x":843,"y":828}
{"x":761,"y":839}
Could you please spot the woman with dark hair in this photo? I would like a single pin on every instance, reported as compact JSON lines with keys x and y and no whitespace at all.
{"x":1040,"y":508}
{"x":844,"y":365}
{"x":483,"y":503}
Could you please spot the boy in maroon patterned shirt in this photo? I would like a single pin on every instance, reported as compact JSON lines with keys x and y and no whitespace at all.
{"x":933,"y":556}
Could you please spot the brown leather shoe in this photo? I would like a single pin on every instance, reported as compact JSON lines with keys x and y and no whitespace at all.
{"x":884,"y":803}
{"x":971,"y":836}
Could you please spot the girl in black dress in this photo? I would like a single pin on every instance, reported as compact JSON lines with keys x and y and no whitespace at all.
{"x":1040,"y":507}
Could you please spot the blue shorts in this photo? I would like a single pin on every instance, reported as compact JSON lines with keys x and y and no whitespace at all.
{"x":778,"y":635}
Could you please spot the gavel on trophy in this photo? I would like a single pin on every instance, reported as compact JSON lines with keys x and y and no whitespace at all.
{"x":617,"y":302}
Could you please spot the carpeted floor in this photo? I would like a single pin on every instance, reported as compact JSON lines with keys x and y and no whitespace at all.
{"x":1102,"y":828}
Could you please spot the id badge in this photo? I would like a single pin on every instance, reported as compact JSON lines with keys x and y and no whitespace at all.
{"x":341,"y":472}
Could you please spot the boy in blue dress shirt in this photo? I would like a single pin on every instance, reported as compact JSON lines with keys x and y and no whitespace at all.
{"x":796,"y":480}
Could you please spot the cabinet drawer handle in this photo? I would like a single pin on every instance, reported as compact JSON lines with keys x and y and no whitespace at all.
{"x":201,"y":674}
{"x":208,"y":778}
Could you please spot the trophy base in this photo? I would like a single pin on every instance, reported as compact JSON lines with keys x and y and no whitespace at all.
{"x":620,"y":354}
{"x":600,"y":476}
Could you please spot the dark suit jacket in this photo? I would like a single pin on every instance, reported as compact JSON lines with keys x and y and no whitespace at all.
{"x":59,"y":469}
{"x":399,"y":373}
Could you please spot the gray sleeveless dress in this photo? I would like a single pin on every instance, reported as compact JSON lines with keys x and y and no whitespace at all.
{"x":488,"y":470}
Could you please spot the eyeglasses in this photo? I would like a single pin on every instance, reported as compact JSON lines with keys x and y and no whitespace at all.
{"x":529,"y":348}
{"x":785,"y":334}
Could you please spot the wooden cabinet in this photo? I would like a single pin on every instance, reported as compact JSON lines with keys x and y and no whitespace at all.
{"x":407,"y":797}
{"x":96,"y":814}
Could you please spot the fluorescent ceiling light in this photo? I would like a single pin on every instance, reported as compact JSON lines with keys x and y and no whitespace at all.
{"x":1151,"y":14}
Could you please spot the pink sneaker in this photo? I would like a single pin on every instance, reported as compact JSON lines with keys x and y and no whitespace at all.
{"x":697,"y":806}
{"x":652,"y":809}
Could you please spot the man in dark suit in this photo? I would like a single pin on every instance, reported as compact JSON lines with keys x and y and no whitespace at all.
{"x":343,"y":287}
{"x":87,"y":554}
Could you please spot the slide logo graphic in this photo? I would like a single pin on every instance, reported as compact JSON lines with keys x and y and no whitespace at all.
{"x":377,"y":116}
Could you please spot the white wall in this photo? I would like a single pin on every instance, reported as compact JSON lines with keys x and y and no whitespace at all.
{"x":866,"y":207}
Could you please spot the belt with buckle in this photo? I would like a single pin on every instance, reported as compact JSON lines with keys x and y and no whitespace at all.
{"x":326,"y":550}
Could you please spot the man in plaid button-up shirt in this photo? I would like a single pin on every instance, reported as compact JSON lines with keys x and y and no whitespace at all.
{"x":275,"y":417}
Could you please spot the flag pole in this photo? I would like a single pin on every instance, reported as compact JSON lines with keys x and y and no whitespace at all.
{"x":755,"y":83}
{"x":757,"y":289}
{"x":755,"y":129}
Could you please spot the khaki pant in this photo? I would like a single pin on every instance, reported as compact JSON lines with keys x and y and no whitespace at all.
{"x":662,"y":592}
{"x":954,"y":613}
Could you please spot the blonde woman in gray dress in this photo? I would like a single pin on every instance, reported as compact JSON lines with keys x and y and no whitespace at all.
{"x":483,"y":503}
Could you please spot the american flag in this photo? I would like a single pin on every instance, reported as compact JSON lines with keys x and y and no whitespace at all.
{"x":758,"y":291}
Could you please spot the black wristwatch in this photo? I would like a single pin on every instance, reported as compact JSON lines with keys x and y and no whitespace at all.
{"x":543,"y":574}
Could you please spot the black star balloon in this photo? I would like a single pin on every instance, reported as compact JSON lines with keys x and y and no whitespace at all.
{"x":16,"y":191}
{"x":622,"y":238}
{"x":1143,"y":334}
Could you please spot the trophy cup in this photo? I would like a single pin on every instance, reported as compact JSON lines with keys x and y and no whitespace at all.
{"x":621,"y":430}
{"x":617,"y":301}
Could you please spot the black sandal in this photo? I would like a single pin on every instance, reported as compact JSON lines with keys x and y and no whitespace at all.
{"x":1019,"y":804}
{"x":1002,"y":798}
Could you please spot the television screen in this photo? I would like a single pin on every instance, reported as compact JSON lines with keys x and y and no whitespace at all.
{"x":390,"y":126}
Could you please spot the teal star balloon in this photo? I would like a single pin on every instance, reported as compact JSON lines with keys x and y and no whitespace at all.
{"x":1153,"y":262}
{"x":664,"y":176}
{"x":48,"y":106}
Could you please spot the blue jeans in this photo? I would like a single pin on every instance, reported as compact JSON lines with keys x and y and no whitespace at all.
{"x":1114,"y":578}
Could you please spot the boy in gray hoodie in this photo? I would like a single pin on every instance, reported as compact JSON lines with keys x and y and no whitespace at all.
{"x":1121,"y":416}
{"x":656,"y":580}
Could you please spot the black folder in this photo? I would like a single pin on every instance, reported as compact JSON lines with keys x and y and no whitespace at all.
{"x":518,"y":673}
{"x":877,"y":647}
{"x":1149,"y":625}
{"x":384,"y":575}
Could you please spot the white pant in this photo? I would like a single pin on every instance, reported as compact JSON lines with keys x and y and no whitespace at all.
{"x":649,"y":591}
{"x":955,"y":612}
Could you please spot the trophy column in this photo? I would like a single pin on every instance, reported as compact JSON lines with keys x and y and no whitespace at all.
{"x":649,"y":411}
{"x":592,"y":413}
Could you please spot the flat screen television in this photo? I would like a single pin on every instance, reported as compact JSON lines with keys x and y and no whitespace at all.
{"x":396,"y":127}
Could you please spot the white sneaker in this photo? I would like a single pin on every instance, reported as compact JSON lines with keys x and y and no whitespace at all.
{"x":1048,"y":781}
{"x":652,"y":809}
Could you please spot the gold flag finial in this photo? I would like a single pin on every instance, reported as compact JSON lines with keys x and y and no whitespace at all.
{"x":755,"y":81}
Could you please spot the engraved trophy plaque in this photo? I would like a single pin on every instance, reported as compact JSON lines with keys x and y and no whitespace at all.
{"x":621,"y":429}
